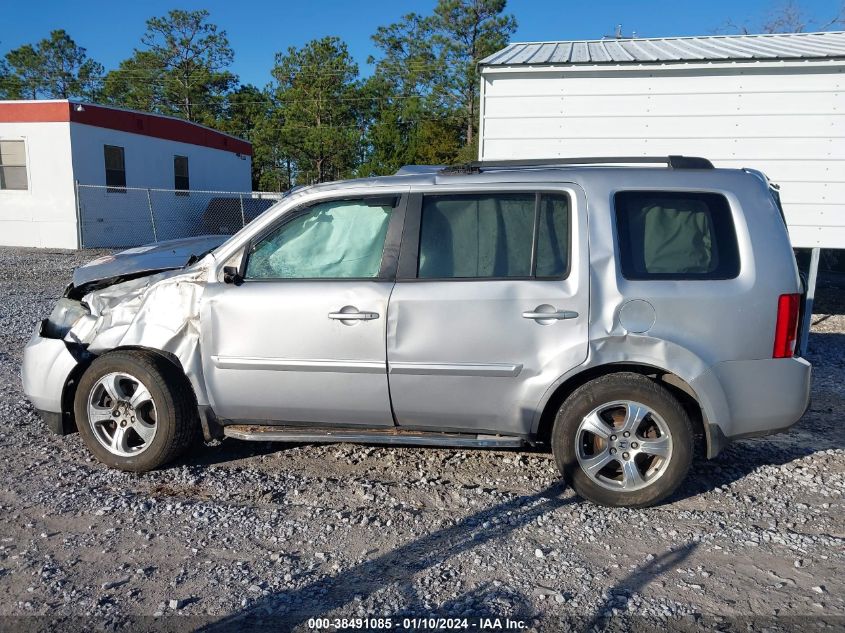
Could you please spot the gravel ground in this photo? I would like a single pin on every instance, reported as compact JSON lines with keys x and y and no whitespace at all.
{"x":242,"y":534}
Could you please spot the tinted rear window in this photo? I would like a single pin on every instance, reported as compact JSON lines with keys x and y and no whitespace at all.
{"x":552,"y":236}
{"x":494,"y":236}
{"x":676,"y":235}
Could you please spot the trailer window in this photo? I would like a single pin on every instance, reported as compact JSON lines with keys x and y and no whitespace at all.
{"x":115,"y":168}
{"x":181,"y":181}
{"x":676,"y":235}
{"x":13,"y":165}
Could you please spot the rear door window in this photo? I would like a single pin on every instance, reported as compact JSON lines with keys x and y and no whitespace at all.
{"x":552,"y":236}
{"x":494,"y":236}
{"x":676,"y":235}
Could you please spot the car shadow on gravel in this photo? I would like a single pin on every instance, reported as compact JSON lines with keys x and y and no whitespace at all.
{"x":738,"y":461}
{"x":826,"y":350}
{"x":229,"y":450}
{"x":743,"y":458}
{"x":292,"y":609}
{"x":621,"y":592}
{"x":830,"y":294}
{"x":232,"y":450}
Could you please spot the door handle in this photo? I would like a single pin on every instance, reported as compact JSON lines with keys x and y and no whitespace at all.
{"x":353,"y":316}
{"x":557,"y":316}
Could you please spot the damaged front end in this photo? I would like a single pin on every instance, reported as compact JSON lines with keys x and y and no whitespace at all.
{"x":158,"y":312}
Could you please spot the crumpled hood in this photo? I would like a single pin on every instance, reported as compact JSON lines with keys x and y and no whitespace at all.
{"x":165,"y":255}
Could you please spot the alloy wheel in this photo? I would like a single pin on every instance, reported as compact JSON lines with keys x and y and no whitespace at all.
{"x":623,"y":445}
{"x":122,"y":414}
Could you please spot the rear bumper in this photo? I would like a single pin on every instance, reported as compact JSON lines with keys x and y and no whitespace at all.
{"x":762,"y":397}
{"x":47,"y":366}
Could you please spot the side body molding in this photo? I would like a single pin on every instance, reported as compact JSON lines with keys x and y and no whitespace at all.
{"x":292,"y":364}
{"x":492,"y":370}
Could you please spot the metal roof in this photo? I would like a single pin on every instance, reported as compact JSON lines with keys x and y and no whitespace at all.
{"x":674,"y":49}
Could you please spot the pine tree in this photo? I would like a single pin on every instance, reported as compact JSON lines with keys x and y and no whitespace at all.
{"x":54,"y":68}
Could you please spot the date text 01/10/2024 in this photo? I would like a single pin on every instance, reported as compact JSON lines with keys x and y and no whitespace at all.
{"x":417,"y":624}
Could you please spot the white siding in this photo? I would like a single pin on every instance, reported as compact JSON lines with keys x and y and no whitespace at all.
{"x":123,"y":219}
{"x":57,"y":154}
{"x":45,"y":214}
{"x":149,"y":161}
{"x":788,"y":122}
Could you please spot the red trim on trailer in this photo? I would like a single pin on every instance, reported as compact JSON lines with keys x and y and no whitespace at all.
{"x":34,"y":112}
{"x":159,"y":127}
{"x":156,"y":126}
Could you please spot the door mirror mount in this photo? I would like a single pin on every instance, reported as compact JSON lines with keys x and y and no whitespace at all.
{"x":231,"y":275}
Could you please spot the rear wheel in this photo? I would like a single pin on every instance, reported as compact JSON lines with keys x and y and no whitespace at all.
{"x":135,"y":410}
{"x":623,"y":440}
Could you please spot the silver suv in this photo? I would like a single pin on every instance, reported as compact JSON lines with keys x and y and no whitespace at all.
{"x":622,"y":314}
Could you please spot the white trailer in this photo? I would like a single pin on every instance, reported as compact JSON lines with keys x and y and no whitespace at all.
{"x":49,"y":148}
{"x":775,"y":103}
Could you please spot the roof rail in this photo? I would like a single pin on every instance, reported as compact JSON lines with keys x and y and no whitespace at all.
{"x":674,"y":162}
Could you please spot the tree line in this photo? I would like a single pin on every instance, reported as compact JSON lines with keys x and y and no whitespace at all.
{"x":317,"y":118}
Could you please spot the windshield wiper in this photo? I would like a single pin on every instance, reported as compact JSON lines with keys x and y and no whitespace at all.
{"x":194,"y":258}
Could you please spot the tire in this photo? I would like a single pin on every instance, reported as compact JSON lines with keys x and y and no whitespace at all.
{"x":609,"y":468}
{"x":161,"y":426}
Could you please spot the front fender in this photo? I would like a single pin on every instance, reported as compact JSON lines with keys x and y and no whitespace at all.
{"x":160,"y":313}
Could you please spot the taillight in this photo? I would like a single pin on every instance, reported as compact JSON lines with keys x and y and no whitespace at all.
{"x":786,"y":329}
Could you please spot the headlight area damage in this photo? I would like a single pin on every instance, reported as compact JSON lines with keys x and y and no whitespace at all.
{"x":159,"y":312}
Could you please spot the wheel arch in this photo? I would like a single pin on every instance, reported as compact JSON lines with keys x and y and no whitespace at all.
{"x":677,"y":386}
{"x":69,"y":390}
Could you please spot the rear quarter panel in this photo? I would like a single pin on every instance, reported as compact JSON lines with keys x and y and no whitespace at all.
{"x":697,"y":323}
{"x":715,"y":320}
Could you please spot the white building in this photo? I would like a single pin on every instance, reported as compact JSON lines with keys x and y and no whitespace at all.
{"x":47,"y":147}
{"x":770,"y":102}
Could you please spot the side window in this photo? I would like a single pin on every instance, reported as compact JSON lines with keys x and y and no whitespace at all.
{"x":342,"y":239}
{"x":115,"y":168}
{"x":13,"y":165}
{"x":492,"y":236}
{"x":553,"y":236}
{"x":676,"y":235}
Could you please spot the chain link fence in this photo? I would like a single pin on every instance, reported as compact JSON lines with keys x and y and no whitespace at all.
{"x":112,"y":217}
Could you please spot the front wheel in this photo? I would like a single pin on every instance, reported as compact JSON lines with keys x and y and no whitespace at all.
{"x":135,"y":410}
{"x":623,"y":440}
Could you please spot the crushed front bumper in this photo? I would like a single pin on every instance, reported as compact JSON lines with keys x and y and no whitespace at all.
{"x":48,"y":366}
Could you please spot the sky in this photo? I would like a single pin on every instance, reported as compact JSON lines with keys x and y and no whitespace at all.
{"x":258,"y":29}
